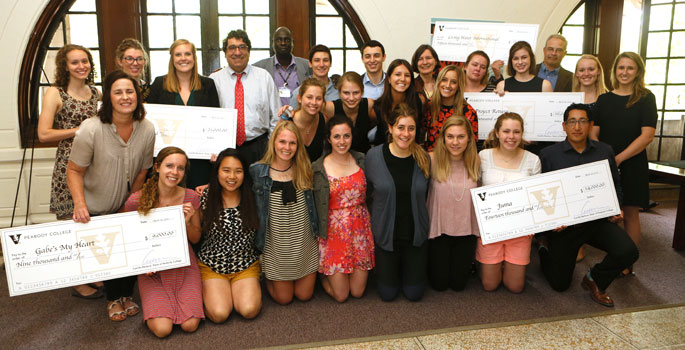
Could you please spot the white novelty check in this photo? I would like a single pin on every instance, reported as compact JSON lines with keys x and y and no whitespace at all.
{"x":543,"y":202}
{"x":199,"y":131}
{"x":64,"y":253}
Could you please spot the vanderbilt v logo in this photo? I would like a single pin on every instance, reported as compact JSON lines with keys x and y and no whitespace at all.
{"x":547,"y":198}
{"x":15,"y":238}
{"x":102,"y":247}
{"x":481,"y":196}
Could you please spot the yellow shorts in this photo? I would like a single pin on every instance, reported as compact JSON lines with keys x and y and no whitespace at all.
{"x":252,"y":271}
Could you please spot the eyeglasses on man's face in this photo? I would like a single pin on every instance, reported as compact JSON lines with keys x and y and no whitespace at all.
{"x":581,"y":122}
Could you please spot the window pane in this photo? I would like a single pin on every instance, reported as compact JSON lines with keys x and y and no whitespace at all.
{"x":657,"y":45}
{"x":323,"y":7}
{"x":187,"y":6}
{"x":673,"y":124}
{"x":199,"y":61}
{"x":230,"y":6}
{"x":337,"y":66}
{"x":661,"y":1}
{"x":569,"y":62}
{"x":258,"y":30}
{"x":227,"y":24}
{"x":676,"y":71}
{"x":80,"y":30}
{"x":658,"y":91}
{"x":159,"y":63}
{"x":188,"y":27}
{"x":163,"y":33}
{"x":671,"y":148}
{"x":353,"y":62}
{"x":257,"y":7}
{"x":675,"y":97}
{"x":158,"y":6}
{"x":58,"y":37}
{"x":83,"y":5}
{"x":349,"y":38}
{"x":96,"y":62}
{"x":256,"y":55}
{"x":655,"y":71}
{"x":660,"y":17}
{"x":574,"y":35}
{"x":679,"y":17}
{"x":49,"y":67}
{"x":329,"y":31}
{"x":630,"y":26}
{"x":578,"y":17}
{"x":678,"y":44}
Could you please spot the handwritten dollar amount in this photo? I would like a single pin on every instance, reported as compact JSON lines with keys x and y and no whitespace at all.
{"x":593,"y":187}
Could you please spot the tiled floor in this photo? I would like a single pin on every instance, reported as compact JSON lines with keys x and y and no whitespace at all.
{"x":658,"y":329}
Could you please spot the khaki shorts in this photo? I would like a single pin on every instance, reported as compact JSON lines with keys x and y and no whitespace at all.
{"x":252,"y":271}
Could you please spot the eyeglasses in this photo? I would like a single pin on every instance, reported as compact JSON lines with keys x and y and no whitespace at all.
{"x":573,"y":122}
{"x":557,"y":50}
{"x":130,"y":59}
{"x":241,"y":47}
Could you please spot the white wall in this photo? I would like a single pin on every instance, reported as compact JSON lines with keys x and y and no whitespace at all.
{"x":400,"y":25}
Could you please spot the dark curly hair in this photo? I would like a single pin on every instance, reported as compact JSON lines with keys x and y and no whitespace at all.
{"x":61,"y":73}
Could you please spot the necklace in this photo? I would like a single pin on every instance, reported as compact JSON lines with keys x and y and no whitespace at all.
{"x":507,"y":160}
{"x":463,"y":188}
{"x":281,"y":171}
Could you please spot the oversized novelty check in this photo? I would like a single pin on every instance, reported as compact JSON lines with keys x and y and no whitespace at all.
{"x":543,"y":202}
{"x":455,"y":40}
{"x":542,"y":112}
{"x":64,"y":253}
{"x":199,"y":131}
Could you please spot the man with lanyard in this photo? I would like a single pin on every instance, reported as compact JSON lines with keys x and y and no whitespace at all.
{"x":558,"y":248}
{"x":288,"y":71}
{"x":320,"y":61}
{"x":551,"y":69}
{"x":252,"y":92}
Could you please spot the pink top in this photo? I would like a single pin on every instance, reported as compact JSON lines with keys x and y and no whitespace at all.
{"x":449,"y":204}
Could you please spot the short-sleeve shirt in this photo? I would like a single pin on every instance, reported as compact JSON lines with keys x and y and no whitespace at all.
{"x":621,"y":125}
{"x":112,"y":164}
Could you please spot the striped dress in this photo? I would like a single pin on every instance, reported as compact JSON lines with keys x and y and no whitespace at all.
{"x":177,"y":293}
{"x":290,"y":251}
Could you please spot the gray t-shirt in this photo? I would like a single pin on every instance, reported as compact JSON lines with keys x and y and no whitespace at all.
{"x":112,"y":164}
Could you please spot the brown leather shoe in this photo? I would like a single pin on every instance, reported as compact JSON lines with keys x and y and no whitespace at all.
{"x":597,"y":295}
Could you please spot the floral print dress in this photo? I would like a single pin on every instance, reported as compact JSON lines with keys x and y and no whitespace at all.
{"x":349,"y":243}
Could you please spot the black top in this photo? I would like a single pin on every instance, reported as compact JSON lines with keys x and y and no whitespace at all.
{"x":382,"y":130}
{"x":402,"y":171}
{"x":562,"y":155}
{"x":207,"y":96}
{"x":315,"y":149}
{"x":360,"y":139}
{"x":533,"y":85}
{"x":620,"y":126}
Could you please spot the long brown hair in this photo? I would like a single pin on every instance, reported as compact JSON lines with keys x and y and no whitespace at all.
{"x":458,"y":100}
{"x":61,"y":73}
{"x":639,"y":89}
{"x":493,"y":141}
{"x":419,"y":154}
{"x":171,"y":82}
{"x":518,"y":46}
{"x":441,"y":156}
{"x":149,"y":195}
{"x":309,"y":82}
{"x":302,"y":167}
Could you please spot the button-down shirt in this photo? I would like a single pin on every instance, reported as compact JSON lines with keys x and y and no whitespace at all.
{"x":371,"y":90}
{"x":549,"y":75}
{"x":331,"y":94}
{"x":286,"y":77}
{"x":562,"y":155}
{"x":261,"y":100}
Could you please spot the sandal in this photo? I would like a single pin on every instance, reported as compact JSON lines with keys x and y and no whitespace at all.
{"x":116,"y":316}
{"x":133,"y":309}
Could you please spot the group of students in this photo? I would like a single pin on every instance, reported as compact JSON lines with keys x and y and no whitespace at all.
{"x":324,"y":197}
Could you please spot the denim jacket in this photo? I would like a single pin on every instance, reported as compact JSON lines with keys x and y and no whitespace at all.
{"x":261,"y":186}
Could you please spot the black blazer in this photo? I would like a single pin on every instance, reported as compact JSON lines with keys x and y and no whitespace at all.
{"x":207,"y":96}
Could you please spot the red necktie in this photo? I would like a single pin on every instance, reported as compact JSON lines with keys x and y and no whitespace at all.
{"x":240,"y":106}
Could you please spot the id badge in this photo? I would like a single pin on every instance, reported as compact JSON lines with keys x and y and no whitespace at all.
{"x":284,"y":92}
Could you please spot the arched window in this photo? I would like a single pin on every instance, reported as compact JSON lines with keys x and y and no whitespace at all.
{"x":204,"y":22}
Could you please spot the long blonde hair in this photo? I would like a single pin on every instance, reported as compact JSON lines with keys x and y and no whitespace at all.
{"x":171,"y":83}
{"x":639,"y":89}
{"x":302,"y":168}
{"x":458,"y":99}
{"x":149,"y":195}
{"x":493,"y":141}
{"x":600,"y":87}
{"x":419,"y":154}
{"x":441,"y":156}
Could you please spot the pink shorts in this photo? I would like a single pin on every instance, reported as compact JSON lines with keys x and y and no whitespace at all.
{"x":514,"y":251}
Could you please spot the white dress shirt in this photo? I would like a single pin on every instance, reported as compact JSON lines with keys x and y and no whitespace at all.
{"x":261,"y":102}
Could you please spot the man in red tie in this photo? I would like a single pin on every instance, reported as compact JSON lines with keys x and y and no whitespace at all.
{"x":251,"y":91}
